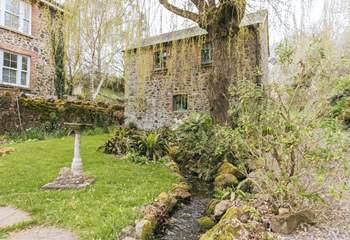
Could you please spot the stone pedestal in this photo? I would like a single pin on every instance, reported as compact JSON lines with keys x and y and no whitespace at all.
{"x":72,"y":178}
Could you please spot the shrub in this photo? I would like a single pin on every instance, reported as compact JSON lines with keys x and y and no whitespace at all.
{"x":151,"y":145}
{"x":199,"y":145}
{"x":292,"y":143}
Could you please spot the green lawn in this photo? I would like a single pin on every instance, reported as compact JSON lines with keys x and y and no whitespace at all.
{"x":98,"y":212}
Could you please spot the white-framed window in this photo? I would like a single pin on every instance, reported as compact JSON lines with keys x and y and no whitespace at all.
{"x":14,"y":69}
{"x":16,"y":15}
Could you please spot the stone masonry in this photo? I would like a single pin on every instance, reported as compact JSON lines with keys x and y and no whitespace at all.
{"x":37,"y":46}
{"x":150,"y":93}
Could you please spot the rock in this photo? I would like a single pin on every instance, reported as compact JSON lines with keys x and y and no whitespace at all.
{"x":226,"y":180}
{"x":228,"y":168}
{"x":144,"y":229}
{"x":126,"y":233}
{"x":205,"y":223}
{"x":228,"y":228}
{"x":283,"y":211}
{"x":221,"y":208}
{"x":181,"y":194}
{"x":6,"y":150}
{"x":288,"y":223}
{"x":166,"y":200}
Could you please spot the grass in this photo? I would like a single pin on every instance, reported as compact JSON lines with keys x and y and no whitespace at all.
{"x":96,"y":213}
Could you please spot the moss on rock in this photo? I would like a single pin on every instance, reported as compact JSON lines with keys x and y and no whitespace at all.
{"x":166,"y":200}
{"x":226,"y":180}
{"x":228,"y":168}
{"x":205,"y":223}
{"x":148,"y":230}
{"x":229,"y":227}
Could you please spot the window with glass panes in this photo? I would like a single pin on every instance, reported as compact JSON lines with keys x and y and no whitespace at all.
{"x":16,"y":15}
{"x":207,"y":54}
{"x":180,"y":103}
{"x":160,"y":59}
{"x":15,"y":69}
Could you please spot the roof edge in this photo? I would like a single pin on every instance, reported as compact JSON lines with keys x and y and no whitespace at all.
{"x":251,"y":19}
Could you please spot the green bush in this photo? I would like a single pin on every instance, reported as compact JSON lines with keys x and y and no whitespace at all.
{"x":199,"y":145}
{"x":151,"y":145}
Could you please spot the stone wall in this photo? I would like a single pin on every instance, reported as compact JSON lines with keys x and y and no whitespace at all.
{"x":37,"y":46}
{"x":149,"y":93}
{"x":18,"y":111}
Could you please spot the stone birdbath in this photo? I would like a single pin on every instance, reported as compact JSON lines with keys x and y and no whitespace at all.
{"x":73,"y":178}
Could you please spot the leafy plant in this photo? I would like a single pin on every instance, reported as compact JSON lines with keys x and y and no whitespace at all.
{"x":152,"y":146}
{"x":199,"y":145}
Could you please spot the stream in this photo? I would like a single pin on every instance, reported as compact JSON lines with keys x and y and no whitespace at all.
{"x":183,"y":223}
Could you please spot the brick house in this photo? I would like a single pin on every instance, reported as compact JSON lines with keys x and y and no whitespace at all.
{"x":26,"y":59}
{"x":166,"y":75}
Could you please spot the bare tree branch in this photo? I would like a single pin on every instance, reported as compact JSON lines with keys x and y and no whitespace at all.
{"x":178,"y":11}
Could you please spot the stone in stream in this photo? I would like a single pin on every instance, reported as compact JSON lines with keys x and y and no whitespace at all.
{"x":221,"y":208}
{"x":10,"y":216}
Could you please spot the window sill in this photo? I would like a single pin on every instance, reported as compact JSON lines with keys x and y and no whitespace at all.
{"x":16,"y":31}
{"x":180,"y":111}
{"x":206,"y":65}
{"x":14,"y":86}
{"x":160,"y":71}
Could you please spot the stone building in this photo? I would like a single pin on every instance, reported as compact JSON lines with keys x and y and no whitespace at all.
{"x":26,"y":51}
{"x":166,"y":75}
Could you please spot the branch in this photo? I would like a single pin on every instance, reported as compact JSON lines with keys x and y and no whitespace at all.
{"x":201,"y":5}
{"x":180,"y":12}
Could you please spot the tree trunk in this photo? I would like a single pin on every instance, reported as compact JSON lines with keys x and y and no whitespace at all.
{"x":219,"y":83}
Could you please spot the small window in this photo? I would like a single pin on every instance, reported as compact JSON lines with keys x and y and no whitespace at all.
{"x":160,"y":59}
{"x":14,"y":69}
{"x":180,"y":103}
{"x":207,"y":54}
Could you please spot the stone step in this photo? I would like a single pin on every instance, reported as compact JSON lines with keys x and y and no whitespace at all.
{"x":10,"y":216}
{"x":43,"y":233}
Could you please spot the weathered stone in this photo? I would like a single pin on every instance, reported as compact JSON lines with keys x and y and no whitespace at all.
{"x":228,"y":228}
{"x":166,"y":200}
{"x":43,"y":233}
{"x":287,"y":223}
{"x":144,"y":229}
{"x":228,"y":168}
{"x":283,"y":211}
{"x":126,"y":233}
{"x":226,"y":180}
{"x":10,"y":216}
{"x":221,"y":208}
{"x":66,"y":180}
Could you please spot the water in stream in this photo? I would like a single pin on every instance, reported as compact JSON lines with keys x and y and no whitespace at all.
{"x":183,"y":223}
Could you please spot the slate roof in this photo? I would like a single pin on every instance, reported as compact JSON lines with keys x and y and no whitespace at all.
{"x":248,"y":20}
